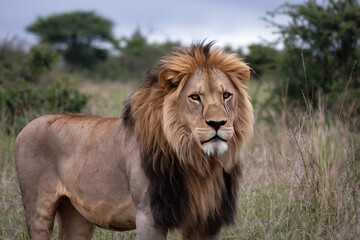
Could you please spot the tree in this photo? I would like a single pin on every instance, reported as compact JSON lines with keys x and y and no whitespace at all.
{"x":77,"y":35}
{"x":326,"y":38}
{"x":138,"y":55}
{"x":262,"y":58}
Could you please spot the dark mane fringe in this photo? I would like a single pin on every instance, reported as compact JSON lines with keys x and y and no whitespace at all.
{"x":227,"y":211}
{"x":203,"y":46}
{"x":126,"y":114}
{"x":169,"y":195}
{"x":169,"y":199}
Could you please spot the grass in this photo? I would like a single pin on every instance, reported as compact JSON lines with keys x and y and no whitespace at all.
{"x":107,"y":98}
{"x":310,"y":190}
{"x":301,"y":177}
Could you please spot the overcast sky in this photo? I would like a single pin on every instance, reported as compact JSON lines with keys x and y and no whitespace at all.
{"x":231,"y":22}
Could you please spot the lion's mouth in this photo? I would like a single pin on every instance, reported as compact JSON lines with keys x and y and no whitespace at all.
{"x":213,"y":139}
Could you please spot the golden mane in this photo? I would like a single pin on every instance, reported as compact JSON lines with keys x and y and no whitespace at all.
{"x":202,"y":191}
{"x":183,"y":62}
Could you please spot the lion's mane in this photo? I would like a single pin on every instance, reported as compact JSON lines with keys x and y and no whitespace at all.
{"x":188,"y":189}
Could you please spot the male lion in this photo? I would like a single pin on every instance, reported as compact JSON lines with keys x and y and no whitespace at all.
{"x":170,"y":162}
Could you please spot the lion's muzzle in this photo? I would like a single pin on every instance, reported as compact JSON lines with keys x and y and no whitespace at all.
{"x":216,"y":143}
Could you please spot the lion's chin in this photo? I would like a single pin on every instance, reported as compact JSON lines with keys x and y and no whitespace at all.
{"x":215,"y":148}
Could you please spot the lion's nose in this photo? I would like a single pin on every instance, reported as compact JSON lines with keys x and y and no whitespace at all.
{"x":216,"y":124}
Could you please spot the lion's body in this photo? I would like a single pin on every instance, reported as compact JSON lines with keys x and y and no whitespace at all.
{"x":171,"y":161}
{"x":62,"y":158}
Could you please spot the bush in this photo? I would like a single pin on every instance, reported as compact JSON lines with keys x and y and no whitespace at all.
{"x":21,"y":97}
{"x":22,"y":101}
{"x":12,"y":59}
{"x":138,"y":56}
{"x":262,"y":58}
{"x":323,"y":37}
{"x":41,"y":59}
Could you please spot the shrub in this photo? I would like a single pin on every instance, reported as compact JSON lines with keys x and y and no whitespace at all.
{"x":262,"y":58}
{"x":41,"y":59}
{"x":324,"y":37}
{"x":22,"y":98}
{"x":22,"y":101}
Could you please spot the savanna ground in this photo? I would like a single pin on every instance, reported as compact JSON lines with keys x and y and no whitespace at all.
{"x":301,"y":173}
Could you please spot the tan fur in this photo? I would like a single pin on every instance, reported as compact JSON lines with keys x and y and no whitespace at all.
{"x":89,"y":169}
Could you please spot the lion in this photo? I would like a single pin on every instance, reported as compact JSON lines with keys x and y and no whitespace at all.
{"x":172,"y":161}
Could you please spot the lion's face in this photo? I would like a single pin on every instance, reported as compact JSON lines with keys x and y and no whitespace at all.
{"x":202,"y":112}
{"x":207,"y":102}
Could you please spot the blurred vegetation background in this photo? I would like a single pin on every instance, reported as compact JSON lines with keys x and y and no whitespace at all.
{"x":319,"y":59}
{"x":305,"y":95}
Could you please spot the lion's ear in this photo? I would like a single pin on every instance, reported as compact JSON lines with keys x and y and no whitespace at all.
{"x":166,"y":79}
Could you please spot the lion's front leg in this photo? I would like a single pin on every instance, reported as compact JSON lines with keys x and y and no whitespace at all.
{"x":146,"y":229}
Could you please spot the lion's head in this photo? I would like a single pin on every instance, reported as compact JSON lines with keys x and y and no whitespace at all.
{"x":209,"y":109}
{"x":191,"y":117}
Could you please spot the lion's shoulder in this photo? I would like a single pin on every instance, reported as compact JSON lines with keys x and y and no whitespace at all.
{"x":60,"y":122}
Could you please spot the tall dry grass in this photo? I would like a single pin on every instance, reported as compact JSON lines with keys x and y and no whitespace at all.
{"x":301,"y":176}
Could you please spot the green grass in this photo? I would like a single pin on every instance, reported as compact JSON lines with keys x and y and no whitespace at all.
{"x":301,"y":177}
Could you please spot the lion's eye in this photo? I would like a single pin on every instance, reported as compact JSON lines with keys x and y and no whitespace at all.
{"x":226,"y":95}
{"x":195,"y":97}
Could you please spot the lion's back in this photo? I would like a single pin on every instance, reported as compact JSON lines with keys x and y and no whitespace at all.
{"x":48,"y":137}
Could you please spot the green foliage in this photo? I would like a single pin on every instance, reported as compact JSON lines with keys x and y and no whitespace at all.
{"x":77,"y":35}
{"x":84,"y":56}
{"x":325,"y":38}
{"x":23,"y":101}
{"x":41,"y":58}
{"x":21,"y":97}
{"x":12,"y":58}
{"x":138,"y":56}
{"x":262,"y":58}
